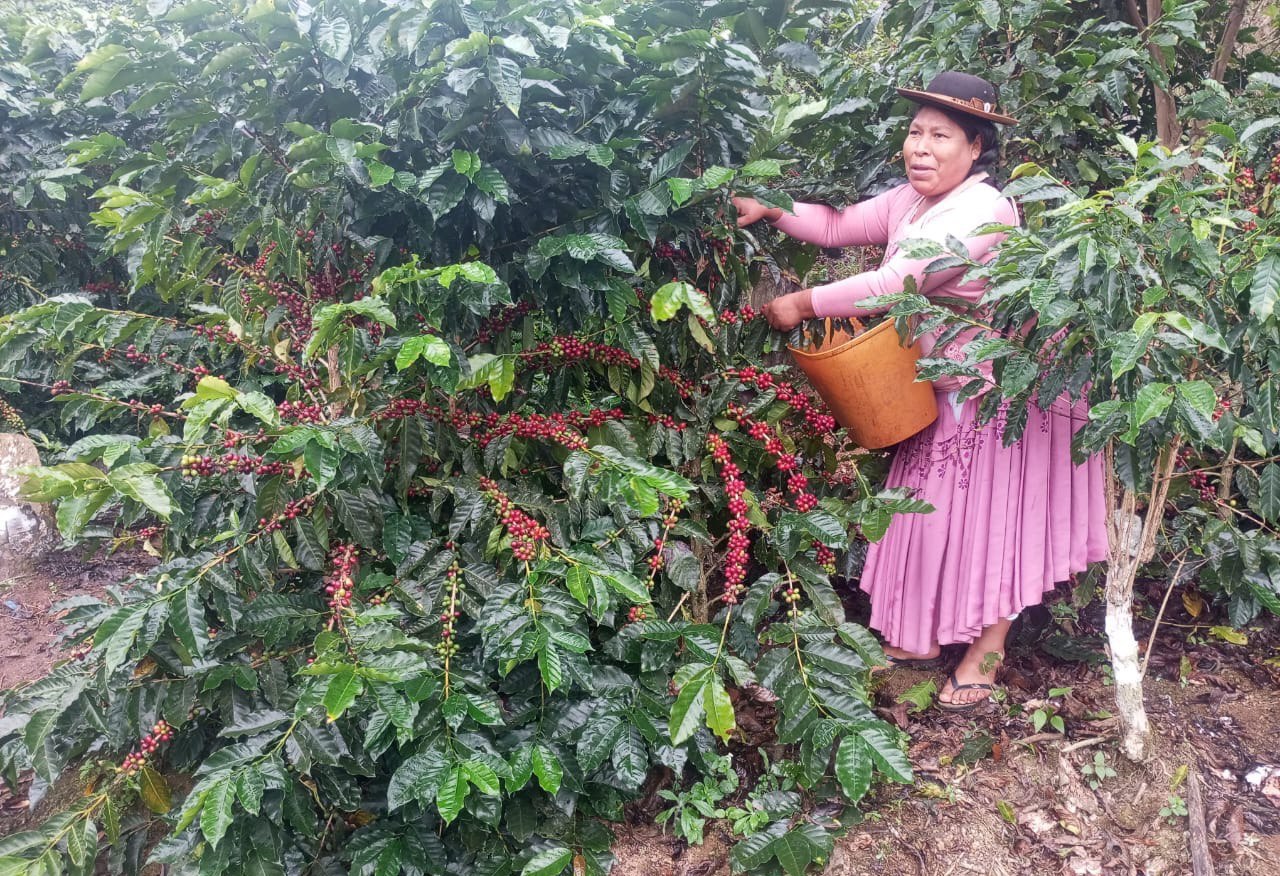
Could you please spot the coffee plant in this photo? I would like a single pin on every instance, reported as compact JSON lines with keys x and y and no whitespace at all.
{"x":431,"y":382}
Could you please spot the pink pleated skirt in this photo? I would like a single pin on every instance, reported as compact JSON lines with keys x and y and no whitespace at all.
{"x":1009,"y":523}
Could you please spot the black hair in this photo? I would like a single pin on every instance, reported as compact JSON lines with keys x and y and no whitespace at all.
{"x":974,"y":127}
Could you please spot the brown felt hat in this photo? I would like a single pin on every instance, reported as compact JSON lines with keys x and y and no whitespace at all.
{"x":960,"y":92}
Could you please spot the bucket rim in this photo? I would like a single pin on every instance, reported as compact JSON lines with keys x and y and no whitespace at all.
{"x":874,"y":331}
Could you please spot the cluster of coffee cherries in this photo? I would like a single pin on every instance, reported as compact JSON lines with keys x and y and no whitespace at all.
{"x":10,"y":417}
{"x":142,"y":407}
{"x":674,"y":251}
{"x":636,"y":613}
{"x":301,"y":412}
{"x":1250,"y":225}
{"x":817,"y":420}
{"x":786,"y":463}
{"x":1223,"y":408}
{"x":73,"y":244}
{"x":722,"y":245}
{"x":668,"y":522}
{"x":132,"y":353}
{"x":745,"y":315}
{"x":791,"y":596}
{"x":399,"y":408}
{"x":207,"y":223}
{"x":667,"y":421}
{"x":292,"y":510}
{"x":825,"y":557}
{"x":147,"y":532}
{"x":264,"y":256}
{"x":564,"y":429}
{"x":231,"y":463}
{"x":1251,"y":194}
{"x":567,"y":350}
{"x":60,"y":387}
{"x":231,"y":438}
{"x":448,"y":644}
{"x":340,"y":584}
{"x":1197,"y":480}
{"x":527,"y":534}
{"x":296,"y":304}
{"x":500,"y":319}
{"x":735,"y":560}
{"x":137,"y":759}
{"x":101,"y":287}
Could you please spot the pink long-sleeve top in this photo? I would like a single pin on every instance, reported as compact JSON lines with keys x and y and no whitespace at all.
{"x":889,"y":219}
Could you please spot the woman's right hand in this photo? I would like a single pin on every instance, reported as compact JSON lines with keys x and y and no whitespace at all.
{"x":751,"y":211}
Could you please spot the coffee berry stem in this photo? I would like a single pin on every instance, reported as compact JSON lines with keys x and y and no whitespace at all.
{"x":448,"y":644}
{"x":668,"y":522}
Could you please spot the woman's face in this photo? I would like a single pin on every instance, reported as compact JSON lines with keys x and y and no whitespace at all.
{"x":937,"y":155}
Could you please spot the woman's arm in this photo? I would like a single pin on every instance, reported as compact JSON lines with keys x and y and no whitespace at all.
{"x":861,"y":224}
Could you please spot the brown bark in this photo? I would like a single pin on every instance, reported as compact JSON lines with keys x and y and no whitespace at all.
{"x":1227,"y":44}
{"x":1222,"y":59}
{"x":1168,"y":131}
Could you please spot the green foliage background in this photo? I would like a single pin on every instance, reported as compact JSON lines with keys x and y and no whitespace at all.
{"x":383,"y":252}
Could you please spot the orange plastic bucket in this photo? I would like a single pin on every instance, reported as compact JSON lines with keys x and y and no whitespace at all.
{"x":869,"y":382}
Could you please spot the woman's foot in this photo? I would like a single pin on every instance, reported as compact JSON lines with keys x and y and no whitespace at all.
{"x":973,"y":679}
{"x":966,"y":687}
{"x":896,"y":657}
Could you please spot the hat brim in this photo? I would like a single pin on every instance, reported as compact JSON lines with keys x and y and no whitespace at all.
{"x":954,"y":104}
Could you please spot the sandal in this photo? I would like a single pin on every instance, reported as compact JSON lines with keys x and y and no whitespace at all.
{"x":964,"y":707}
{"x":892,"y":662}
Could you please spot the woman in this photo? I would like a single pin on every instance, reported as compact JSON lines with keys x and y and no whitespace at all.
{"x":1009,"y":521}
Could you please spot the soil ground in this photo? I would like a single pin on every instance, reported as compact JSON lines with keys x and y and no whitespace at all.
{"x":30,"y":635}
{"x":994,"y":796}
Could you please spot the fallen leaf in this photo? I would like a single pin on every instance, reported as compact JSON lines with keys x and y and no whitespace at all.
{"x":1226,"y":634}
{"x":1192,"y":603}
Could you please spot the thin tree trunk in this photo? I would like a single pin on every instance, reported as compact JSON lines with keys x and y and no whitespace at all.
{"x":1122,"y":568}
{"x":1168,"y":131}
{"x":1132,"y":542}
{"x":1227,"y":44}
{"x":1221,"y":60}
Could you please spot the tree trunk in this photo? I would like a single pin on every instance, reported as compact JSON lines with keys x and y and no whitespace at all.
{"x":1168,"y":131}
{"x":1227,"y":44}
{"x":1122,"y":567}
{"x":1131,"y":543}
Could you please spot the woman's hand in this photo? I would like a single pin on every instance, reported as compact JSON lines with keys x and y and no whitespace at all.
{"x":751,"y":211}
{"x":788,"y":311}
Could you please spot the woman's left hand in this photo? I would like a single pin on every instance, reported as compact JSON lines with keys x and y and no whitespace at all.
{"x":788,"y":311}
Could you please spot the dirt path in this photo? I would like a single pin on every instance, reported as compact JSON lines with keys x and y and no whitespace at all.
{"x":30,"y":634}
